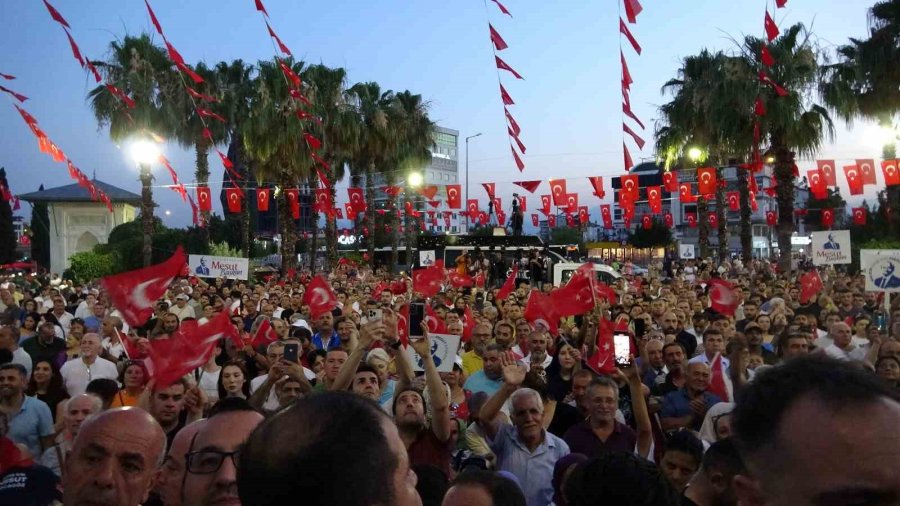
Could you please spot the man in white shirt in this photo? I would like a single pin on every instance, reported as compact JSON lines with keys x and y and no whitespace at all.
{"x":537,"y":347}
{"x":9,"y":340}
{"x":112,"y":335}
{"x":274,"y":353}
{"x":182,"y":309}
{"x":713,"y":342}
{"x":78,"y":372}
{"x":841,"y":346}
{"x":59,"y":311}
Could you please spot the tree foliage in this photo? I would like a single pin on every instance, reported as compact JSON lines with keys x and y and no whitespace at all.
{"x":657,"y":236}
{"x":7,"y":233}
{"x":40,"y":233}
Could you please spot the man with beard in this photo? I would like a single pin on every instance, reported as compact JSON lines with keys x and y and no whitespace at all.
{"x":211,"y":461}
{"x":114,"y":460}
{"x":425,"y":445}
{"x":473,"y":361}
{"x":669,"y":325}
{"x":30,"y":420}
{"x":490,"y":378}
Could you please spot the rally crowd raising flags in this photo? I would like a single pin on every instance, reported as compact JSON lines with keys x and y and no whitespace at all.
{"x":554,"y":394}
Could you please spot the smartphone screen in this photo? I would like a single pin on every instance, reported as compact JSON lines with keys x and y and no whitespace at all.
{"x":622,"y":345}
{"x":416,"y":317}
{"x":639,"y":327}
{"x":291,"y":351}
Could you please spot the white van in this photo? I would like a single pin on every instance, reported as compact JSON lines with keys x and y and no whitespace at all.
{"x":564,"y":270}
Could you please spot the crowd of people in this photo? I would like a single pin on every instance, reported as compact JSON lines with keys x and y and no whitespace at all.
{"x":779,"y":401}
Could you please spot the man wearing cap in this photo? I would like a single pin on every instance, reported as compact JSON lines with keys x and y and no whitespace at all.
{"x":755,"y":343}
{"x":182,"y":309}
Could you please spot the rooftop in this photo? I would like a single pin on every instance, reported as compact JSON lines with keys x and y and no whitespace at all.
{"x":75,"y":193}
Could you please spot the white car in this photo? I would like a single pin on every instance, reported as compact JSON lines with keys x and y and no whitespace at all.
{"x":562,"y":271}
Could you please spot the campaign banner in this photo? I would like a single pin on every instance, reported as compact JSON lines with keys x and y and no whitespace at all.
{"x":686,"y":252}
{"x":881,"y":267}
{"x":206,"y":266}
{"x":426,"y":258}
{"x":444,"y":348}
{"x":830,"y":247}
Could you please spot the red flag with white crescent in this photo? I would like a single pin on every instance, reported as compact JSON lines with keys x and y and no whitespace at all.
{"x":454,"y":196}
{"x":771,"y":218}
{"x":630,"y":186}
{"x":233,"y":197}
{"x":891,"y":172}
{"x":606,"y":214}
{"x":867,"y":171}
{"x":713,"y":219}
{"x":551,"y":221}
{"x":293,"y":199}
{"x":722,"y":297}
{"x":827,"y":218}
{"x":204,"y":201}
{"x":534,"y":220}
{"x":597,"y":184}
{"x":670,"y":181}
{"x":859,"y":215}
{"x":734,"y":202}
{"x":509,"y":285}
{"x":545,"y":204}
{"x":134,"y":293}
{"x":558,"y":191}
{"x":810,"y":285}
{"x":826,"y":168}
{"x":262,"y":199}
{"x":529,"y":186}
{"x":691,"y":219}
{"x":854,"y":179}
{"x":706,"y":181}
{"x":654,"y":199}
{"x":319,"y":297}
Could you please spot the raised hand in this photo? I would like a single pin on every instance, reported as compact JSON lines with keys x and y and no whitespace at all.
{"x":513,"y":372}
{"x":422,"y":346}
{"x":371,"y":332}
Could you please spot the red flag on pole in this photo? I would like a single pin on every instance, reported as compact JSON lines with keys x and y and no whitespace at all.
{"x":504,"y":10}
{"x":507,"y":100}
{"x":489,"y":188}
{"x":603,"y":360}
{"x":766,"y":56}
{"x":427,"y":281}
{"x":540,"y":310}
{"x":509,"y":285}
{"x":319,"y":297}
{"x":135,"y":292}
{"x":58,"y":17}
{"x":627,"y":158}
{"x":717,"y":384}
{"x":265,"y":335}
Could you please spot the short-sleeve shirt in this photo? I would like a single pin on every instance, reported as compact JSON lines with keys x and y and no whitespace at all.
{"x":582,"y":439}
{"x":677,"y":404}
{"x":76,"y":374}
{"x":32,"y":422}
{"x":479,"y":382}
{"x":533,"y":469}
{"x":472,"y":363}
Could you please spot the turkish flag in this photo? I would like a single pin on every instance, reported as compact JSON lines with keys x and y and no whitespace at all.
{"x":713,"y":219}
{"x":734,"y":201}
{"x":770,"y":26}
{"x":509,"y":285}
{"x":501,"y":217}
{"x":771,"y":218}
{"x":810,"y":285}
{"x":479,"y":280}
{"x":469,"y":321}
{"x":429,"y":192}
{"x":204,"y":201}
{"x":540,"y":310}
{"x":558,"y":190}
{"x":606,"y":214}
{"x":483,"y":218}
{"x":632,"y":9}
{"x":551,"y":221}
{"x":454,"y":196}
{"x":435,"y":324}
{"x":293,"y":198}
{"x":854,"y":179}
{"x":489,"y":188}
{"x":867,"y":170}
{"x":717,"y":383}
{"x":233,"y":196}
{"x":135,"y":292}
{"x":765,"y":56}
{"x":499,"y":43}
{"x":319,"y":297}
{"x":669,"y":220}
{"x":498,"y":204}
{"x":859,"y":215}
{"x":816,"y":184}
{"x":583,"y":216}
{"x":427,"y":281}
{"x":350,"y":210}
{"x":357,"y":200}
{"x":338,"y":213}
{"x":827,"y":217}
{"x":472,"y":208}
{"x":626,"y":220}
{"x":597,"y":184}
{"x":630,"y":186}
{"x":529,"y":186}
{"x":459,"y":280}
{"x":507,"y":100}
{"x":670,"y":181}
{"x":706,"y":181}
{"x":654,"y":199}
{"x":603,"y":360}
{"x":545,"y":204}
{"x":571,"y":202}
{"x":534,"y":219}
{"x":684,"y":193}
{"x":399,"y":287}
{"x":826,"y":168}
{"x":190,"y":347}
{"x":403,"y":325}
{"x":262,"y":199}
{"x":570,"y":220}
{"x":522,"y":203}
{"x":647,"y":222}
{"x":891,"y":172}
{"x":265,"y":335}
{"x":722,"y":297}
{"x":323,"y":200}
{"x":691,"y":219}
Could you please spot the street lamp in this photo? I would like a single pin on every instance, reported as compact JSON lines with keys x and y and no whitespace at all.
{"x":414,"y":179}
{"x":468,"y":218}
{"x":145,"y":152}
{"x":695,"y":154}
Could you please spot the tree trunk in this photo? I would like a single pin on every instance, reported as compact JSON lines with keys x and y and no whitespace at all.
{"x":357,"y":222}
{"x":237,"y":154}
{"x":892,"y":194}
{"x":287,"y":229}
{"x":407,"y":239}
{"x":147,"y":214}
{"x":201,"y":150}
{"x":370,"y":212}
{"x":703,"y":224}
{"x":746,"y":230}
{"x":721,"y":215}
{"x":784,"y":177}
{"x":331,"y":231}
{"x":314,"y":223}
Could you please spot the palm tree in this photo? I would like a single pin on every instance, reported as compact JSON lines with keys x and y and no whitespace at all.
{"x":375,"y":144}
{"x":338,"y":132}
{"x":235,"y":82}
{"x":190,"y":131}
{"x":144,"y":72}
{"x":272,"y":139}
{"x":793,"y":124}
{"x":862,"y":83}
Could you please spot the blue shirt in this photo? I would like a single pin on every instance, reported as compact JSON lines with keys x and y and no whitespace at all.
{"x":32,"y":422}
{"x":677,"y":404}
{"x":533,"y":469}
{"x":333,"y":342}
{"x":479,"y":382}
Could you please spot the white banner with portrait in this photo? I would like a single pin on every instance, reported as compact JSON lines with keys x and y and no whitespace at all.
{"x":881,"y":267}
{"x":830,"y":247}
{"x":206,"y":266}
{"x":444,"y":348}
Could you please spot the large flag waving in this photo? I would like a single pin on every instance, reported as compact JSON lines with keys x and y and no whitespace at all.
{"x":603,"y":360}
{"x":722,"y":297}
{"x":509,"y":285}
{"x":134,"y":293}
{"x":188,"y":348}
{"x":427,"y":281}
{"x":540,"y":310}
{"x":319,"y":297}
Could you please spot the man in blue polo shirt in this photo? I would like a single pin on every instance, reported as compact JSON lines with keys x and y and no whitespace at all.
{"x":31,"y":423}
{"x":687,"y":406}
{"x":327,"y":337}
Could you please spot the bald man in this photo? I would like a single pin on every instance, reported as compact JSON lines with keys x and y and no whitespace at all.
{"x":169,"y":484}
{"x":115,"y":459}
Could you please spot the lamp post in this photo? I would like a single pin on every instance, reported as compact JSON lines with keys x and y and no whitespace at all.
{"x":468,"y":218}
{"x":145,"y":152}
{"x":414,"y":180}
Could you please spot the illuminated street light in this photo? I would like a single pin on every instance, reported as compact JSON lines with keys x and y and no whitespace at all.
{"x":414,"y":179}
{"x":695,"y":154}
{"x":144,"y":151}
